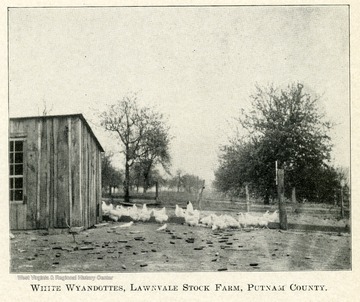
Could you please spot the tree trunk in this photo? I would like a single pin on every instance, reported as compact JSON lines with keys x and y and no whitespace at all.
{"x":267,"y":198}
{"x":146,"y":175}
{"x":179,"y":184}
{"x":293,"y":195}
{"x":342,"y":203}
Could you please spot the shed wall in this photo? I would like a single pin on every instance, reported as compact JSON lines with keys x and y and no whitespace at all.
{"x":62,"y":177}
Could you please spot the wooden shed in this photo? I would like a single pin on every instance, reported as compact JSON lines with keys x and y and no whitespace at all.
{"x":55,"y":172}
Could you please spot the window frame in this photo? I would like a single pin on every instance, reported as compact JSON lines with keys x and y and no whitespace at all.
{"x":12,"y":139}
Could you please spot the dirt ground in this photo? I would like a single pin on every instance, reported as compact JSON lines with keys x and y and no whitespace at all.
{"x":141,"y":248}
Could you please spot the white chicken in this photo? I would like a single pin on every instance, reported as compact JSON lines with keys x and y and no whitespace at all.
{"x":113,"y":217}
{"x":242,"y":219}
{"x":162,"y":228}
{"x":189,"y":207}
{"x":263,"y":221}
{"x":160,"y":215}
{"x":126,"y":225}
{"x":144,"y":213}
{"x":121,"y":211}
{"x":251,"y":219}
{"x":230,"y":221}
{"x":133,"y":212}
{"x":257,"y":221}
{"x":274,"y":217}
{"x":106,"y":208}
{"x":218,"y":223}
{"x":179,"y":212}
{"x":207,"y":220}
{"x":115,"y":214}
{"x":192,"y":218}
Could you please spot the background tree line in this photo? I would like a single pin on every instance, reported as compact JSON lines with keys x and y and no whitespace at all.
{"x":287,"y":126}
{"x":144,"y":139}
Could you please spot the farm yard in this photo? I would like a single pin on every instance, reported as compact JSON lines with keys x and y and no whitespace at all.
{"x":316,"y":239}
{"x":247,"y":150}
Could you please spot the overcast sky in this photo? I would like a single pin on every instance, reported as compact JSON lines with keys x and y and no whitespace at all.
{"x":198,"y":65}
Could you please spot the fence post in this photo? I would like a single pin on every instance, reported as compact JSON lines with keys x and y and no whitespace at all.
{"x":200,"y":194}
{"x":156,"y":190}
{"x":247,"y":198}
{"x":342,"y":183}
{"x":282,"y":208}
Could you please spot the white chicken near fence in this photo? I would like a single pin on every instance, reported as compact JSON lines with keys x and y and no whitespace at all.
{"x":207,"y":220}
{"x":250,"y":220}
{"x":145,"y":213}
{"x":220,"y":222}
{"x":162,"y":228}
{"x":230,"y":221}
{"x":160,"y":215}
{"x":134,"y":213}
{"x":179,"y":212}
{"x":106,"y":208}
{"x":191,"y":216}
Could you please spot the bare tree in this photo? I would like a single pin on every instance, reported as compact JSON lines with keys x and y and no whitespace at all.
{"x":135,"y":126}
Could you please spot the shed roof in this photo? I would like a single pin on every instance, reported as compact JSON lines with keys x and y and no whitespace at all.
{"x":79,"y":115}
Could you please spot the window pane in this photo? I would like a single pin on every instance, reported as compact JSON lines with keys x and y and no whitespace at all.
{"x":16,"y":168}
{"x":19,"y":169}
{"x":19,"y":157}
{"x":18,"y":194}
{"x":18,"y":183}
{"x":18,"y":145}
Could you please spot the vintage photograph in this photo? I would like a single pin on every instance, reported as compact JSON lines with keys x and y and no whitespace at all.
{"x":179,"y":139}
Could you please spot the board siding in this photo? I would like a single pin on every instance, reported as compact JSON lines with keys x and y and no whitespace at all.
{"x":62,"y":213}
{"x":44,"y":163}
{"x":62,"y":174}
{"x":55,"y":173}
{"x":31,"y":177}
{"x":75,"y":174}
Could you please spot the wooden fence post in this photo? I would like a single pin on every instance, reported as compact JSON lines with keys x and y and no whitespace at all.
{"x":342,"y":199}
{"x":247,"y":198}
{"x":199,"y":199}
{"x":156,"y":190}
{"x":282,"y":208}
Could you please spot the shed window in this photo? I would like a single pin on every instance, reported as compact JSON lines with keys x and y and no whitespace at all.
{"x":16,"y":162}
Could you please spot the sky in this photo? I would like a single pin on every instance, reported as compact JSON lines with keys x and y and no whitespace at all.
{"x":196,"y":65}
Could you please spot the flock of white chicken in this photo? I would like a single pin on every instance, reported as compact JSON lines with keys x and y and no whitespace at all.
{"x":191,"y":216}
{"x":135,"y":213}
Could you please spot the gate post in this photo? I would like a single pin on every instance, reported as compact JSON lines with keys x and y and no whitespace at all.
{"x":282,"y":207}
